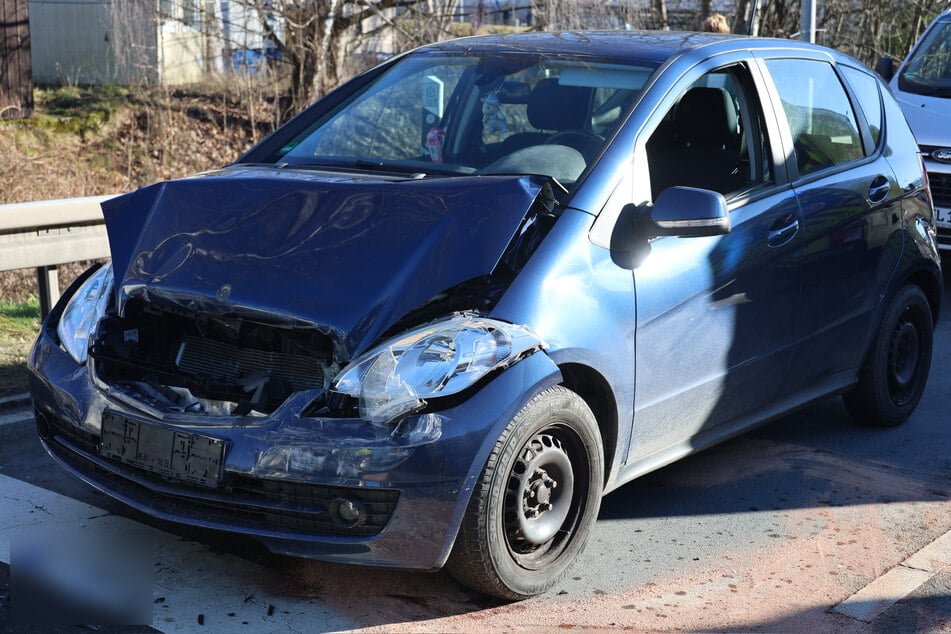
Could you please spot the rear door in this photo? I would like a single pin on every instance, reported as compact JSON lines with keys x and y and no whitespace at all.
{"x":850,"y":202}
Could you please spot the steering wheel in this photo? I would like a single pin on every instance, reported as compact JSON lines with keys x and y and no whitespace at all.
{"x":584,"y":141}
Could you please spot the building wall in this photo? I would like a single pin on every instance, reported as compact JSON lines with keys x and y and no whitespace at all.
{"x":241,"y":26}
{"x":73,"y":43}
{"x":113,"y":41}
{"x":181,"y":54}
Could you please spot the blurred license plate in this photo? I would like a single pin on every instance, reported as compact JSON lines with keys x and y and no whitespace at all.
{"x":942,"y":215}
{"x":167,"y":452}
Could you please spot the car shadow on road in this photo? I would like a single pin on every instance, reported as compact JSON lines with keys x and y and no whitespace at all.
{"x":813,"y":458}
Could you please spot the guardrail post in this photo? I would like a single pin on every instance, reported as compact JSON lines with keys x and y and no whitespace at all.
{"x":47,"y":281}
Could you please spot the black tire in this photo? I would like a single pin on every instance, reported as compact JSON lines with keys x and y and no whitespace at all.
{"x":535,"y":502}
{"x":895,"y":372}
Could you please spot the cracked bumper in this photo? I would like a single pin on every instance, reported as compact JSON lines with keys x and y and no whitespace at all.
{"x":281,"y":474}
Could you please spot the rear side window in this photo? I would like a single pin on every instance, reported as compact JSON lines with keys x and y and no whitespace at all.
{"x":821,"y":119}
{"x":865,"y":88}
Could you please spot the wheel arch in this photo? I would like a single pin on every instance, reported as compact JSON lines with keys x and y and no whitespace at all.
{"x":894,"y":372}
{"x":930,"y":284}
{"x":928,"y":279}
{"x":595,"y":390}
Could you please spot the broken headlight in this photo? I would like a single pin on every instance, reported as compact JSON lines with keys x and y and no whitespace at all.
{"x":439,"y":359}
{"x":83,"y":312}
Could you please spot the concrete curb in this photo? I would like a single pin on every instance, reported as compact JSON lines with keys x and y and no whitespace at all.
{"x":882,"y":593}
{"x":14,"y":402}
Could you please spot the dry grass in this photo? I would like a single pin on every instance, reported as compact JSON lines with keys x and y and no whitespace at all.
{"x":90,"y":141}
{"x":104,"y":140}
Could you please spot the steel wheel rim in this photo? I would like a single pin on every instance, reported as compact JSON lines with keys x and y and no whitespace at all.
{"x":551,"y":469}
{"x":904,"y":359}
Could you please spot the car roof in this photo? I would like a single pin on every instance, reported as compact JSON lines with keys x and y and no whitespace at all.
{"x":624,"y":46}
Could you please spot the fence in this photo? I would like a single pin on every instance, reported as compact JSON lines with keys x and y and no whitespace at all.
{"x":43,"y":234}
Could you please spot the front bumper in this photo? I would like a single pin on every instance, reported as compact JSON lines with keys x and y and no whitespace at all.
{"x":282,"y":473}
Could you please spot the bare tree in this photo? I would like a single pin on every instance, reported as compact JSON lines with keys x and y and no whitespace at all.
{"x":659,"y":11}
{"x":294,"y":51}
{"x":422,"y":22}
{"x":133,"y":41}
{"x":563,"y":15}
{"x":321,"y":42}
{"x":866,"y":29}
{"x":706,"y":8}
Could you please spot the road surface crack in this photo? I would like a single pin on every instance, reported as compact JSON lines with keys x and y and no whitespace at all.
{"x":40,"y":507}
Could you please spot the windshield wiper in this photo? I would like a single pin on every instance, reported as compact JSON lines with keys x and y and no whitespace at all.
{"x":359,"y":164}
{"x":379,"y":166}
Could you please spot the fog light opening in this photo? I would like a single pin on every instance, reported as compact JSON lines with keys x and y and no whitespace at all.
{"x":42,"y":425}
{"x":348,"y":513}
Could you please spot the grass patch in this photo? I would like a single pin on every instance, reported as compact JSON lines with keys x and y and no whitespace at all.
{"x":77,"y":109}
{"x":78,"y":101}
{"x":19,"y":326}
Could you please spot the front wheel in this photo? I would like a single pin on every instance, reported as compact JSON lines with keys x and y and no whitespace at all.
{"x":535,"y":502}
{"x":894,"y":375}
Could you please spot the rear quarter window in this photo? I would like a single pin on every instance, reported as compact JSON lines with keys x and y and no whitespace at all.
{"x":866,"y":89}
{"x":824,"y":128}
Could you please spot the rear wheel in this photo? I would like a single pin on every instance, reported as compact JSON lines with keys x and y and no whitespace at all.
{"x":894,"y":375}
{"x":535,"y":502}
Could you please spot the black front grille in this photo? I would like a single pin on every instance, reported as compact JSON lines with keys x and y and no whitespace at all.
{"x":227,"y":363}
{"x":253,"y":366}
{"x":239,"y":502}
{"x":940,"y":189}
{"x":944,"y":238}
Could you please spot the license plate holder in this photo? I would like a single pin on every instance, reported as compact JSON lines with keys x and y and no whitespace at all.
{"x":168,"y":452}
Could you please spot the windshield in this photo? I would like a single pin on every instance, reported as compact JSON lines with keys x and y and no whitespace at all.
{"x":928,"y":72}
{"x":472,"y":113}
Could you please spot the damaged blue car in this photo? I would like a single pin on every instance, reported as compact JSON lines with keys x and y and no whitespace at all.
{"x":434,"y":318}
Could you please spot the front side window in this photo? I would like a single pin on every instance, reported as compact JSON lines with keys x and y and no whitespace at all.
{"x":713,"y":137}
{"x":821,"y":119}
{"x":471,"y":113}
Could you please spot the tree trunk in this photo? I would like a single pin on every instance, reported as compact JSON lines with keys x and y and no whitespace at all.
{"x":706,"y":8}
{"x":741,"y":17}
{"x":659,"y":9}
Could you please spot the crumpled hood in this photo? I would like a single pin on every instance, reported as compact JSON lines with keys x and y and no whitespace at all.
{"x":347,"y":255}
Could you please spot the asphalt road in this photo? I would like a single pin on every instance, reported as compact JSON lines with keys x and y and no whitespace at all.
{"x":809,"y":524}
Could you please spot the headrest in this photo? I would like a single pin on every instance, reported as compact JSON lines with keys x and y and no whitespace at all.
{"x":706,"y":115}
{"x":552,"y":106}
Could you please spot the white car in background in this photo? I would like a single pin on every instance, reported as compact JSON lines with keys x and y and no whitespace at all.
{"x":922,"y":87}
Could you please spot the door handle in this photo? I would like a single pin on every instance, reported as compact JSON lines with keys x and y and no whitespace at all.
{"x":878,"y":190}
{"x":783,"y":230}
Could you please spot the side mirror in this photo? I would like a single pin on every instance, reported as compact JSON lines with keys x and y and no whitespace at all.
{"x":885,"y":66}
{"x":689,"y":212}
{"x":685,"y":212}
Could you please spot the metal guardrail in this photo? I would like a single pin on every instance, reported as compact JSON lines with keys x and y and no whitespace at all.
{"x":43,"y":234}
